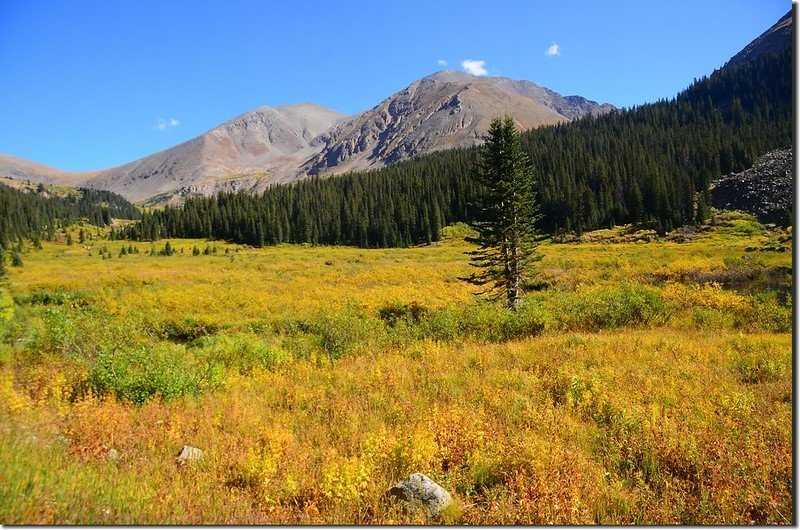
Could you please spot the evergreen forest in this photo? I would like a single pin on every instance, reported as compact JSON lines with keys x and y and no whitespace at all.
{"x":37,"y":214}
{"x":650,"y":165}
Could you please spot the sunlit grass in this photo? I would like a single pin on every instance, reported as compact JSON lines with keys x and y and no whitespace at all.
{"x":627,"y":392}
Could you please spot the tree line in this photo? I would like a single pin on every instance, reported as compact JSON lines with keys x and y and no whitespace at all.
{"x":651,"y":164}
{"x":36,"y":215}
{"x":399,"y":206}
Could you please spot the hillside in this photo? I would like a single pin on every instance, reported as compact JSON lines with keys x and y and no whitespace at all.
{"x":651,"y":165}
{"x":36,"y":212}
{"x":269,"y":145}
{"x":265,"y":144}
{"x":764,"y":190}
{"x":20,"y":169}
{"x":775,"y":39}
{"x":442,"y":111}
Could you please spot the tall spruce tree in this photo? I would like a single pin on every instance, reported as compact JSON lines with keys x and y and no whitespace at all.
{"x":506,"y":215}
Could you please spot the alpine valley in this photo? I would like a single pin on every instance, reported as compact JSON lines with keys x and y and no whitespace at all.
{"x":478,"y":302}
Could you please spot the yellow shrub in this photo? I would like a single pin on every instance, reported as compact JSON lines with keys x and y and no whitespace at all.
{"x":709,"y":295}
{"x":56,"y":391}
{"x":258,"y":468}
{"x":344,"y":479}
{"x":11,"y":400}
{"x":413,"y":453}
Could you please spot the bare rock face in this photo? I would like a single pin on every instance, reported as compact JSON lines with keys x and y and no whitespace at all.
{"x":21,"y":169}
{"x":419,"y":491}
{"x":764,"y":191}
{"x":442,"y":111}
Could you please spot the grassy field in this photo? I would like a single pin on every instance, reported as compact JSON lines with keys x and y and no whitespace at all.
{"x":642,"y":382}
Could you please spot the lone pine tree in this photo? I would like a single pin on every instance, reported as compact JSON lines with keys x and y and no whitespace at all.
{"x":506,"y":215}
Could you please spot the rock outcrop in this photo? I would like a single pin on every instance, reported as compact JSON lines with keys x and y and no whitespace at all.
{"x":764,"y":191}
{"x":775,"y":39}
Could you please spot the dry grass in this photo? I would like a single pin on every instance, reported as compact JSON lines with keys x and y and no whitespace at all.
{"x":674,"y":406}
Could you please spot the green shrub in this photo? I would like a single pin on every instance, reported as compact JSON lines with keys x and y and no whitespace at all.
{"x":6,"y":308}
{"x":758,"y":369}
{"x":755,"y":362}
{"x":710,"y":318}
{"x":57,"y":297}
{"x":765,"y":313}
{"x":52,"y":331}
{"x":187,"y":329}
{"x":743,"y":227}
{"x":243,"y":352}
{"x":412,"y":313}
{"x":443,"y":325}
{"x":6,"y":353}
{"x":345,"y":333}
{"x":483,"y":321}
{"x":334,"y":335}
{"x":626,"y":305}
{"x":138,"y":374}
{"x":494,"y":323}
{"x":457,"y":231}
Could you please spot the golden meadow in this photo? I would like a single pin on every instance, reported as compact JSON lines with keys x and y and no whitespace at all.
{"x":645,"y":380}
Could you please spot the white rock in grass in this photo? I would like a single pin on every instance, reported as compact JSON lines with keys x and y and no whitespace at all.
{"x":419,"y":491}
{"x":189,"y":453}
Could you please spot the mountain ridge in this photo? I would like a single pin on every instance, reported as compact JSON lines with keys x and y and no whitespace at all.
{"x":244,"y":145}
{"x":269,"y":145}
{"x":444,"y":110}
{"x":774,"y":39}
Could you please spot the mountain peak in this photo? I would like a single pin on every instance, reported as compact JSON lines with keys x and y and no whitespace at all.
{"x":775,"y":39}
{"x":451,"y":76}
{"x":444,"y":110}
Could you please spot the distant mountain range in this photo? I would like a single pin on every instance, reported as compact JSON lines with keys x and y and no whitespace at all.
{"x":284,"y":144}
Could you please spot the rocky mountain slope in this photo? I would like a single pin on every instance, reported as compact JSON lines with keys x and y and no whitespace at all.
{"x":775,"y":39}
{"x":445,"y":110}
{"x":269,"y":145}
{"x":21,"y":169}
{"x":765,"y":190}
{"x":265,"y":143}
{"x":283,"y":144}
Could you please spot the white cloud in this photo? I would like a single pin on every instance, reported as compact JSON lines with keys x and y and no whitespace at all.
{"x":553,"y":50}
{"x":442,"y":62}
{"x":163,"y":125}
{"x":474,"y":67}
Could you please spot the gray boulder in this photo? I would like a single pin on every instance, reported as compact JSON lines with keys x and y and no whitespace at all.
{"x":187,"y":454}
{"x":419,"y":491}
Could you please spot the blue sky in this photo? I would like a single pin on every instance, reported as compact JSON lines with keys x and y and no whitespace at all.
{"x":90,"y":84}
